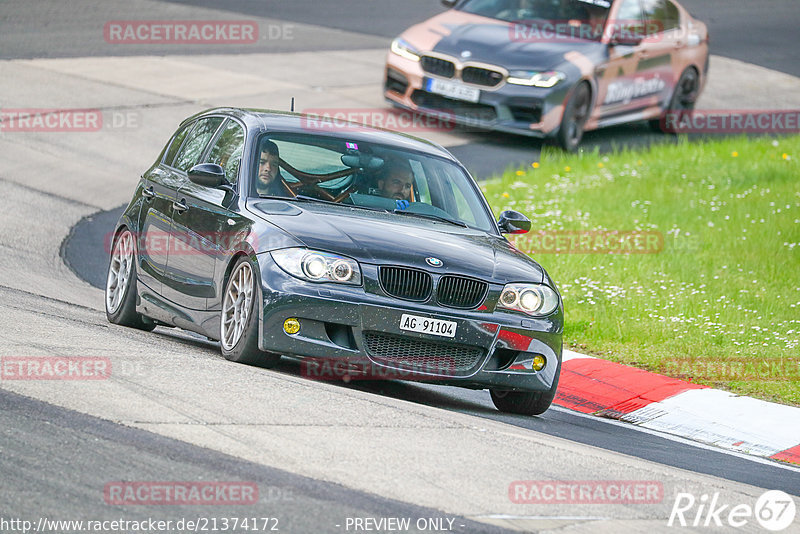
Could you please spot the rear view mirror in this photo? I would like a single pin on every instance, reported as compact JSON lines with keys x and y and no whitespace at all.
{"x":208,"y":175}
{"x":513,"y":222}
{"x":449,"y":3}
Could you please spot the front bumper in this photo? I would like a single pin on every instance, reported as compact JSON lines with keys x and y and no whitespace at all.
{"x":531,"y":111}
{"x":358,"y":329}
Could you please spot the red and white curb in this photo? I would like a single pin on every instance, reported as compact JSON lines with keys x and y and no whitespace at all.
{"x":649,"y":400}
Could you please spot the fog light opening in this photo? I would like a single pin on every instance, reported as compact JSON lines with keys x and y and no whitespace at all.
{"x":291,"y":326}
{"x":539,"y":362}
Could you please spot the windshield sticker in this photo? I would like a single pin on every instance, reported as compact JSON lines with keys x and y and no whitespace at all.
{"x":599,"y":3}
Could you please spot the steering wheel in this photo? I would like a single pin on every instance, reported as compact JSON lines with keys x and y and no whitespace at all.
{"x":312,"y":181}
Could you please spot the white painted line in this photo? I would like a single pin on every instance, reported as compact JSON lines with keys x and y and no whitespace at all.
{"x":682,"y":440}
{"x":726,"y":420}
{"x":568,"y":355}
{"x":544,"y":517}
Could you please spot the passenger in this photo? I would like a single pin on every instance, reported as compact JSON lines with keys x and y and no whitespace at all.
{"x":269,"y":182}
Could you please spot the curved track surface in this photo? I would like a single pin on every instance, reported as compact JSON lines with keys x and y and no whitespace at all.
{"x":173,"y":409}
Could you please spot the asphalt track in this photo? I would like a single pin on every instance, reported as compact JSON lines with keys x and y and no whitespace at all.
{"x":55,"y":459}
{"x":64,"y":486}
{"x":81,"y":250}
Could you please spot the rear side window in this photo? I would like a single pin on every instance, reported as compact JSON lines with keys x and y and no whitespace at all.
{"x":196,"y":143}
{"x":661,"y":15}
{"x":227,"y":151}
{"x":176,"y":143}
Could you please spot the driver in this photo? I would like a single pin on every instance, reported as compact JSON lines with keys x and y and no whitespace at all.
{"x":269,"y":182}
{"x":395,"y":182}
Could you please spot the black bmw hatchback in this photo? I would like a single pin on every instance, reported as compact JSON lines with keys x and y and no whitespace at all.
{"x":364,"y":252}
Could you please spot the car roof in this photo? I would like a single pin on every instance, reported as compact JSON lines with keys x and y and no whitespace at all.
{"x":265,"y":120}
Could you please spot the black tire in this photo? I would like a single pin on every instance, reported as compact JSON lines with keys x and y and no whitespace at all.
{"x":120,"y":295}
{"x":523,"y":402}
{"x":576,"y":113}
{"x":243,"y":348}
{"x":683,"y":100}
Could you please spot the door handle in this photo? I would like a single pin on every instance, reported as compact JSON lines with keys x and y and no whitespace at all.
{"x":148,"y":193}
{"x":181,"y":206}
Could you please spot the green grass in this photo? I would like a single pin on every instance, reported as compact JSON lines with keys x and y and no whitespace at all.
{"x":719,"y":304}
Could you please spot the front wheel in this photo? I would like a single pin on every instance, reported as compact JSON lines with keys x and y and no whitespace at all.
{"x":576,"y":113}
{"x":120,"y":295}
{"x":523,"y":402}
{"x":239,"y":318}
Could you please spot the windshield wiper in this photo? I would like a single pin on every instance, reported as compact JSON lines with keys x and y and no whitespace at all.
{"x":433,"y":217}
{"x":305,"y":198}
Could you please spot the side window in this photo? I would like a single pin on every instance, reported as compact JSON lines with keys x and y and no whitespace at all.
{"x":672,"y":17}
{"x":176,"y":143}
{"x":227,"y":151}
{"x":193,"y":147}
{"x":629,"y":21}
{"x":661,"y":15}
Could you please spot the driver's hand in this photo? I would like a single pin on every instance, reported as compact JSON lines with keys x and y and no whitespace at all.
{"x":401,"y":204}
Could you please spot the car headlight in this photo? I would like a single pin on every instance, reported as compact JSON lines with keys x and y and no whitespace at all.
{"x":403,"y":48}
{"x":316,"y":266}
{"x":535,"y":78}
{"x":533,"y":299}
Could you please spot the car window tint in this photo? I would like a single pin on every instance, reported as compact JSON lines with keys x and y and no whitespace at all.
{"x":227,"y":151}
{"x":193,"y":147}
{"x":629,"y":19}
{"x":177,"y":139}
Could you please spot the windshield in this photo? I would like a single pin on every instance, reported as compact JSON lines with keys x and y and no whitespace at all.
{"x":360,"y":174}
{"x":582,"y":19}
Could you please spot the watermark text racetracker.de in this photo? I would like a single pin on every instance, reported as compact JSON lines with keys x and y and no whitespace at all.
{"x":193,"y":32}
{"x":54,"y":368}
{"x":337,"y":369}
{"x":156,"y":242}
{"x":733,"y":368}
{"x":586,"y":492}
{"x":591,"y":242}
{"x":732,"y":121}
{"x":67,"y":120}
{"x":180,"y":493}
{"x":546,"y":31}
{"x":357,"y":119}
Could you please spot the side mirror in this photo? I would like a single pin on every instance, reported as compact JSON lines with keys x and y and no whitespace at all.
{"x":208,"y":175}
{"x":513,"y":222}
{"x":449,"y":3}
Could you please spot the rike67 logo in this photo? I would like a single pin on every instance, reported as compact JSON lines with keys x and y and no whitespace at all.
{"x":774,"y":510}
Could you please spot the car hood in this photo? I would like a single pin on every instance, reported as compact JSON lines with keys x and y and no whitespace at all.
{"x":493,"y":41}
{"x":384,"y":238}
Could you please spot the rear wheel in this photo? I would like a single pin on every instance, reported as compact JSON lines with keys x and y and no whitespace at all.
{"x":683,"y":100}
{"x":120,"y":293}
{"x":576,"y":113}
{"x":239,"y":318}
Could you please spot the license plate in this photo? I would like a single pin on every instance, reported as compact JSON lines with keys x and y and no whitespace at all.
{"x":455,"y":90}
{"x":426,"y":325}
